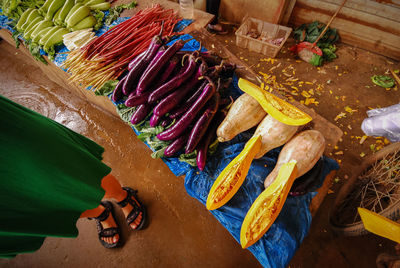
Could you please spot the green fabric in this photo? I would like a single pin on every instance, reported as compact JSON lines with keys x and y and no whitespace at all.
{"x":49,"y":175}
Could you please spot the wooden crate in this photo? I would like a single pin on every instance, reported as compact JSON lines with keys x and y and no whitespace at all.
{"x":267,"y":32}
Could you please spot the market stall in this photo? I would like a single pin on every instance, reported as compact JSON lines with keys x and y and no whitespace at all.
{"x":279,"y":244}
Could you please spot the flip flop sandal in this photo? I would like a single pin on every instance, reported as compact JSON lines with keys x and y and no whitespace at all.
{"x":108,"y":232}
{"x":214,"y":31}
{"x":136,"y":209}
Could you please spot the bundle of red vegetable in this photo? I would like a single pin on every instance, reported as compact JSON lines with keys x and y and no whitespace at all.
{"x":176,"y":98}
{"x":107,"y":56}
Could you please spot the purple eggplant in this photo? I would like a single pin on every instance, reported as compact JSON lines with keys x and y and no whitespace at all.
{"x":156,"y":65}
{"x":181,"y":125}
{"x":137,"y":69}
{"x":174,"y":82}
{"x":140,"y":114}
{"x":175,"y":146}
{"x":117,"y":93}
{"x":155,"y":120}
{"x":202,"y":123}
{"x":208,"y":138}
{"x":136,"y":60}
{"x":177,"y":112}
{"x":135,"y":99}
{"x":172,"y":64}
{"x":173,"y":99}
{"x":165,"y":122}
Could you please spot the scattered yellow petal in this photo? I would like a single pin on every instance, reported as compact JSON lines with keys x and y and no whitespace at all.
{"x":341,"y":115}
{"x":349,"y":110}
{"x":362,"y":154}
{"x":338,"y":152}
{"x":309,"y":83}
{"x":330,"y":91}
{"x":363,"y":139}
{"x":386,"y":141}
{"x":336,"y":147}
{"x":349,"y":127}
{"x":305,"y":94}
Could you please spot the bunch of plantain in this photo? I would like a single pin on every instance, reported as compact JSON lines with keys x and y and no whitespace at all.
{"x":46,"y":25}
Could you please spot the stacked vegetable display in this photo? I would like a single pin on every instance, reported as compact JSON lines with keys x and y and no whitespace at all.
{"x":44,"y":27}
{"x":175,"y":98}
{"x":107,"y":56}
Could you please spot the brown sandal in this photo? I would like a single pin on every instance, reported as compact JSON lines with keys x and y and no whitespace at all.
{"x":108,"y":232}
{"x":136,"y":209}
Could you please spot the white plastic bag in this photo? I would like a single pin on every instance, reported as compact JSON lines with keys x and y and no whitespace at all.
{"x":383,"y":122}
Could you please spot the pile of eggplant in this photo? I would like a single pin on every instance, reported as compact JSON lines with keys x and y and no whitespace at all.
{"x":182,"y":94}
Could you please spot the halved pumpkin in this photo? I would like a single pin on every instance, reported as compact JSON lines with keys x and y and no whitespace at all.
{"x":276,"y":107}
{"x":232,"y":177}
{"x":267,"y":206}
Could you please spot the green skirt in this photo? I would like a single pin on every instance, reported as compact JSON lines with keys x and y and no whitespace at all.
{"x":49,"y":175}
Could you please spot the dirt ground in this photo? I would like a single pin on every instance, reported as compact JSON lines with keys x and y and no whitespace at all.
{"x":342,"y":92}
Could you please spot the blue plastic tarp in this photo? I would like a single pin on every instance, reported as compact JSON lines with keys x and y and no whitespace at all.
{"x":279,"y":244}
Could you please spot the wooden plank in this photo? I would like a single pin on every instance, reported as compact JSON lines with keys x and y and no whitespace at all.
{"x":325,"y":9}
{"x":379,"y":39}
{"x":378,"y":8}
{"x":267,"y":10}
{"x":288,"y":12}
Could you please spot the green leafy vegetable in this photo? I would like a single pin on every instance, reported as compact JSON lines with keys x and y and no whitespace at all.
{"x":115,"y":12}
{"x":310,"y":32}
{"x":34,"y":49}
{"x":15,"y":35}
{"x":98,"y":15}
{"x":125,"y":112}
{"x":383,"y":81}
{"x":328,"y":51}
{"x":316,"y":60}
{"x":189,"y":158}
{"x":107,"y":88}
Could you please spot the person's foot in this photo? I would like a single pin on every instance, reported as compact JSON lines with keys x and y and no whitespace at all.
{"x":107,"y":228}
{"x":216,"y":28}
{"x":128,"y":208}
{"x":133,"y":210}
{"x":109,"y":222}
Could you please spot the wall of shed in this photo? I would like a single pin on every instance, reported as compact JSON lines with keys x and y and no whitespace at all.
{"x":370,"y":24}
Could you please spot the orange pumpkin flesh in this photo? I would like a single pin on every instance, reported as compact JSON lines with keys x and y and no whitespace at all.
{"x":232,"y":177}
{"x":267,"y":206}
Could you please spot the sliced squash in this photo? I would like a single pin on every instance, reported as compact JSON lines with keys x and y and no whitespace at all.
{"x":232,"y":177}
{"x":273,"y":105}
{"x":267,"y":206}
{"x":380,"y":225}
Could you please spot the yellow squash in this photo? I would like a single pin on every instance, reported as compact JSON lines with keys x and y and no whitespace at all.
{"x":380,"y":225}
{"x":276,"y":107}
{"x":232,"y":177}
{"x":267,"y":206}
